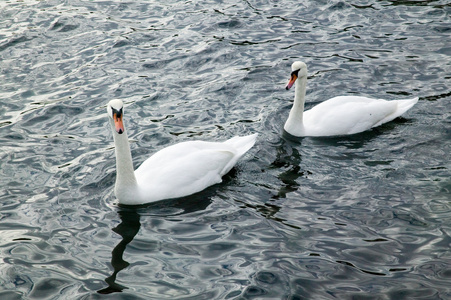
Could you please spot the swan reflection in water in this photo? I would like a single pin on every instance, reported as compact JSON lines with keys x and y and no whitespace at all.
{"x":128,"y":229}
{"x":131,"y":223}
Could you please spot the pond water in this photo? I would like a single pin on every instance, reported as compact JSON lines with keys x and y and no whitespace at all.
{"x":366,"y":216}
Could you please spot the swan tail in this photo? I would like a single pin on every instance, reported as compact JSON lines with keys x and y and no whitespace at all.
{"x":402,"y":106}
{"x":242,"y":144}
{"x":405,"y":105}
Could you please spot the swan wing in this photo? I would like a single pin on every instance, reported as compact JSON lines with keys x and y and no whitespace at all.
{"x":351,"y":114}
{"x":184,"y":169}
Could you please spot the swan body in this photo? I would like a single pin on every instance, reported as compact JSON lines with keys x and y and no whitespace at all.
{"x":340,"y":115}
{"x":176,"y":171}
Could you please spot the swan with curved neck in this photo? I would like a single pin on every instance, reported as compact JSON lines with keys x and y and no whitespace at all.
{"x":340,"y":115}
{"x":176,"y":171}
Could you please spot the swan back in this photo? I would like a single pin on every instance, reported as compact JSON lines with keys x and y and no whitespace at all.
{"x":189,"y":167}
{"x":345,"y":115}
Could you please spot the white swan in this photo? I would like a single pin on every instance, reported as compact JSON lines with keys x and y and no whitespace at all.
{"x":176,"y":171}
{"x":340,"y":115}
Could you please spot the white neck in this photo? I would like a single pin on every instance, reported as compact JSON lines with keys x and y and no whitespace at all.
{"x":126,"y":188}
{"x":294,"y":124}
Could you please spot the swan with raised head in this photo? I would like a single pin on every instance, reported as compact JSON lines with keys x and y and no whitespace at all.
{"x":176,"y":171}
{"x":340,"y":115}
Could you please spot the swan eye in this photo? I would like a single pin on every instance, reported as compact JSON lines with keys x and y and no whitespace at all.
{"x":295,"y":73}
{"x":117,"y":114}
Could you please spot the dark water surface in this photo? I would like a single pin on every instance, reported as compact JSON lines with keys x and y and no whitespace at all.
{"x":360,"y":217}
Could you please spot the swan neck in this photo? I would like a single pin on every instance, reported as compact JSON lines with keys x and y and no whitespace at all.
{"x":299,"y":99}
{"x":125,"y":174}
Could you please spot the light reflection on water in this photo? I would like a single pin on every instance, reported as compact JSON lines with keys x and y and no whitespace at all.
{"x":313,"y":218}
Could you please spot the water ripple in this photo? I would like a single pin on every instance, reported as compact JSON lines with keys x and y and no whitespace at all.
{"x":313,"y":218}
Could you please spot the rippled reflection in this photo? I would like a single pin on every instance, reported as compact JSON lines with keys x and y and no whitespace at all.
{"x":362,"y":216}
{"x":130,"y":225}
{"x":289,"y":160}
{"x":127,"y":229}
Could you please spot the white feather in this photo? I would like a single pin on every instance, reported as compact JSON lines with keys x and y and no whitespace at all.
{"x":176,"y":171}
{"x":341,"y":115}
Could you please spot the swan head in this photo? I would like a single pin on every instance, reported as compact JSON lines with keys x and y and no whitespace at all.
{"x":115,"y":110}
{"x":298,"y":70}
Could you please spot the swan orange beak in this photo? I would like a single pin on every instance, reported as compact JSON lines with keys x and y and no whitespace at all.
{"x":293,"y":78}
{"x":118,"y":124}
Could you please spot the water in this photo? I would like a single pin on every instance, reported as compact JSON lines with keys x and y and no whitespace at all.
{"x":362,"y":217}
